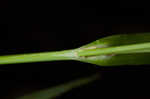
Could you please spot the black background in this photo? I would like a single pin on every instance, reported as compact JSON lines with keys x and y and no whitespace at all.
{"x":28,"y":27}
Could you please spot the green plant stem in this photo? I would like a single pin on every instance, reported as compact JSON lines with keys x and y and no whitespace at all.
{"x":74,"y":54}
{"x":37,"y":57}
{"x":52,"y":93}
{"x":134,"y":48}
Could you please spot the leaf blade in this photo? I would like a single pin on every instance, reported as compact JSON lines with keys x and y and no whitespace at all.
{"x":126,"y":58}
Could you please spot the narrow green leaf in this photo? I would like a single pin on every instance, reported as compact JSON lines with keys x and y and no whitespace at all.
{"x":117,"y":50}
{"x":52,"y":93}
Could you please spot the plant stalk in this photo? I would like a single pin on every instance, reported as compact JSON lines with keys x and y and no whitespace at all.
{"x":37,"y":57}
{"x":74,"y":54}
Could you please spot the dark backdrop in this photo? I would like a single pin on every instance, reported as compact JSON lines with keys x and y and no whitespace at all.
{"x":51,"y":26}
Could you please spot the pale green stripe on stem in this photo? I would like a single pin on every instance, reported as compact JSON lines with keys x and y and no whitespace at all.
{"x":134,"y":48}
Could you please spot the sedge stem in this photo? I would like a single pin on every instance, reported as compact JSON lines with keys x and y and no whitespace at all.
{"x":37,"y":57}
